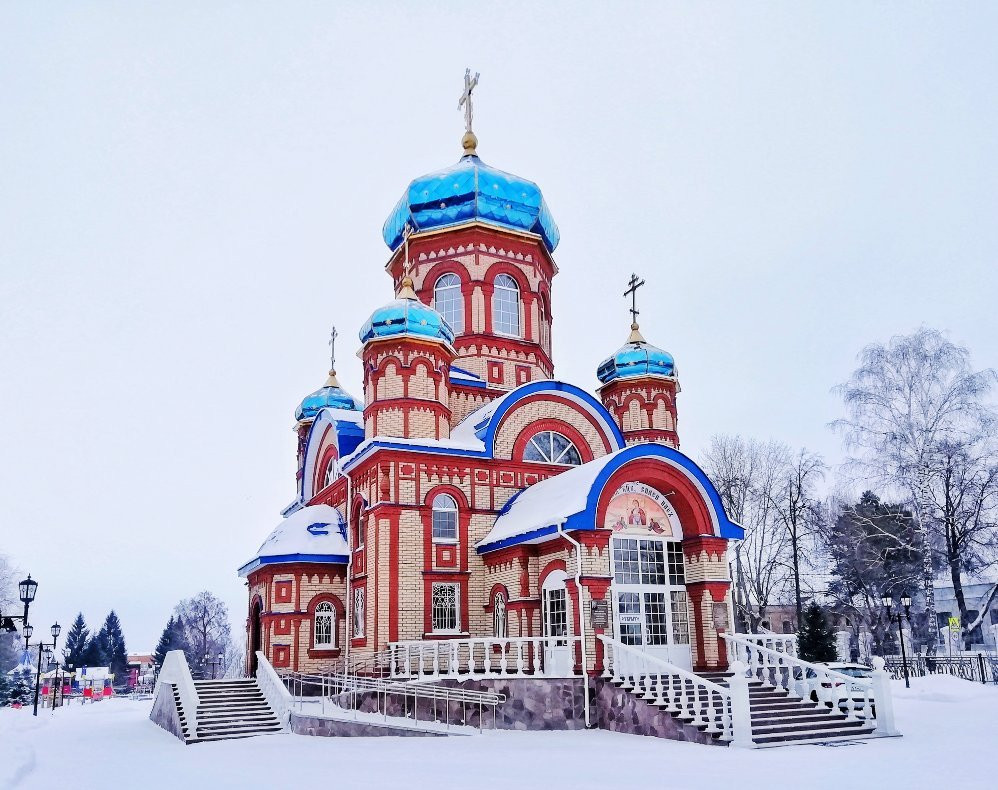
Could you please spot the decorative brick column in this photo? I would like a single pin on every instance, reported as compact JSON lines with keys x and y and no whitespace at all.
{"x":598,"y":587}
{"x":707,"y":586}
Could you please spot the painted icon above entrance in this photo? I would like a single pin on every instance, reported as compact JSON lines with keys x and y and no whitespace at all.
{"x":637,"y":507}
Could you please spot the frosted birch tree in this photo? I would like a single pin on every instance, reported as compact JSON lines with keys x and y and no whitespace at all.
{"x":906,"y":398}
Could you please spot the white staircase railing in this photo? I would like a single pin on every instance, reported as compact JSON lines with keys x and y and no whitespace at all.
{"x":273,"y":689}
{"x":722,"y":711}
{"x":176,"y":672}
{"x":782,"y":643}
{"x":857,"y":698}
{"x":536,"y":656}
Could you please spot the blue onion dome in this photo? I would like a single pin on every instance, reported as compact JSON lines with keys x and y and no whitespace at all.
{"x":471,"y":190}
{"x":406,"y":315}
{"x":635,"y":358}
{"x":330,"y":396}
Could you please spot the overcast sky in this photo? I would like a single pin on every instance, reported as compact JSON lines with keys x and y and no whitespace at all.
{"x":191,"y":193}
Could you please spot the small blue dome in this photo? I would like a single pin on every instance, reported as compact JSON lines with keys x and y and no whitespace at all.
{"x":471,"y":190}
{"x":331,"y":395}
{"x":407,"y":316}
{"x":636,"y":359}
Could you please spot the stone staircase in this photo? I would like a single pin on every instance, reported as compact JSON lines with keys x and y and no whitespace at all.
{"x":780,"y":719}
{"x":228,"y":709}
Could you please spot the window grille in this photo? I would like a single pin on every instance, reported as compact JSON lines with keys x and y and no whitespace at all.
{"x":444,"y":517}
{"x":629,"y":609}
{"x":445,"y":607}
{"x":680,"y":618}
{"x":325,"y":625}
{"x":506,"y":306}
{"x":358,"y":611}
{"x":656,"y":619}
{"x":677,"y":568}
{"x":552,"y":448}
{"x":447,"y":301}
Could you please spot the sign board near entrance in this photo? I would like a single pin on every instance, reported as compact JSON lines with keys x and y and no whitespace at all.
{"x":599,"y":614}
{"x":637,"y":507}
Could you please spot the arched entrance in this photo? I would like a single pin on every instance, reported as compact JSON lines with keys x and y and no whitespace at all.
{"x":555,"y":625}
{"x":648,"y":591}
{"x":254,"y":640}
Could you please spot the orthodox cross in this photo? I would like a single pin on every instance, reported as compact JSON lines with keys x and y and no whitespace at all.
{"x":465,"y":100}
{"x":632,"y":291}
{"x":332,"y":348}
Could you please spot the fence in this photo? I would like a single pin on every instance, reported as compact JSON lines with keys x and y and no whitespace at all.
{"x":978,"y":668}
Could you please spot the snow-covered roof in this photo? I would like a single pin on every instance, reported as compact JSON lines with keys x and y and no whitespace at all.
{"x":316,"y":533}
{"x":465,"y":377}
{"x":540,"y":508}
{"x":452,"y":445}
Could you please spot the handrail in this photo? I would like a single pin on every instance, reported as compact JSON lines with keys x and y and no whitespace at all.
{"x":770,"y":638}
{"x":477,"y":656}
{"x":348,"y":693}
{"x":176,"y":672}
{"x":273,"y":688}
{"x":720,"y":710}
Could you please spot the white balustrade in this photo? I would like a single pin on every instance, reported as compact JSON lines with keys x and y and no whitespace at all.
{"x":781,"y":643}
{"x":176,"y":672}
{"x":483,"y":657}
{"x":719,"y":710}
{"x":273,"y":689}
{"x":857,"y":698}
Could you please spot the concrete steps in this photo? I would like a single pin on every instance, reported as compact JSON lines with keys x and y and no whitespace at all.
{"x":229,"y":709}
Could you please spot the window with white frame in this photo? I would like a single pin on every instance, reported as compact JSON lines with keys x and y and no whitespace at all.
{"x":358,"y":611}
{"x":447,"y":301}
{"x":551,"y":447}
{"x":506,"y":306}
{"x":444,"y":518}
{"x":445,"y":613}
{"x":499,"y":616}
{"x":325,"y":626}
{"x":330,"y":474}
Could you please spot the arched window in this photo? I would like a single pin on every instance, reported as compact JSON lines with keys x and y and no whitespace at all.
{"x":499,"y":616}
{"x":330,"y":474}
{"x":506,"y":306}
{"x":444,"y":517}
{"x":325,"y":626}
{"x":447,"y":301}
{"x":551,"y":447}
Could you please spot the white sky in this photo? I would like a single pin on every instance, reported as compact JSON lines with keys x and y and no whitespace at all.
{"x":191,"y":193}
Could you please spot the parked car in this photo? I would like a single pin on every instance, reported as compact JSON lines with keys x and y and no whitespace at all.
{"x":856,"y":694}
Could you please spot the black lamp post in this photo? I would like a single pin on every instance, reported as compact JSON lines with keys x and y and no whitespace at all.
{"x":215,"y":662}
{"x":26,"y":592}
{"x":48,"y":649}
{"x":27,"y":631}
{"x":906,"y":603}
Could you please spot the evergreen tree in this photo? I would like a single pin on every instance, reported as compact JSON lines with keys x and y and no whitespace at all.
{"x":93,"y":653}
{"x":5,"y":687}
{"x":112,"y":645}
{"x":816,"y":640}
{"x":76,"y":642}
{"x":21,"y":691}
{"x":165,"y":644}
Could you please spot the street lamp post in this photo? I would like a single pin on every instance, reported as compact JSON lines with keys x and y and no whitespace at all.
{"x":214,"y":662}
{"x":26,"y":590}
{"x":48,"y":649}
{"x":906,"y":603}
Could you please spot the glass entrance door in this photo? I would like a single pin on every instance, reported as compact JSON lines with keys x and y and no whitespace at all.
{"x":649,"y":595}
{"x":554,"y":613}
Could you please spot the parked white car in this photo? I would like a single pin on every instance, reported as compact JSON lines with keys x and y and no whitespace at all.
{"x":856,"y":694}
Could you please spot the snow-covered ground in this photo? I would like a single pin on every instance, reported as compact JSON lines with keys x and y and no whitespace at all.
{"x":949,"y":727}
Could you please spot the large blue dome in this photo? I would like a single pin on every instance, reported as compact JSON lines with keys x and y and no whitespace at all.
{"x":471,"y":190}
{"x":406,"y":316}
{"x":636,"y":358}
{"x":331,"y":395}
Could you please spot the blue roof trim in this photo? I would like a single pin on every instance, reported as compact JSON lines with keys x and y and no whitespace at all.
{"x":486,"y":428}
{"x":586,"y":519}
{"x":478,"y":382}
{"x":348,"y":436}
{"x":283,"y":559}
{"x":418,"y":448}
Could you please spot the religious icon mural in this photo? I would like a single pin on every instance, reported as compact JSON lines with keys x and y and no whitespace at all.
{"x":636,"y":507}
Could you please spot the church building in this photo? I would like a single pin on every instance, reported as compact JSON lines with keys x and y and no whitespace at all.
{"x":469,"y":506}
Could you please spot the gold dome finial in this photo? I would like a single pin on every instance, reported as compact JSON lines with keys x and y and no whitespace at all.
{"x":406,"y":289}
{"x":470,"y":144}
{"x":332,"y":381}
{"x":635,"y":336}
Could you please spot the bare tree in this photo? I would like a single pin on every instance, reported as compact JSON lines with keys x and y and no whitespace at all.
{"x":8,"y":602}
{"x":906,"y":398}
{"x":964,"y":492}
{"x":207,"y":629}
{"x":749,"y":475}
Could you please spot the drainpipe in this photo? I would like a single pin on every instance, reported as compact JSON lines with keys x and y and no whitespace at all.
{"x":349,"y":589}
{"x":582,"y":614}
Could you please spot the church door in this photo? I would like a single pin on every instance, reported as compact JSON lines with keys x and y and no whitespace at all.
{"x":254,"y":637}
{"x":554,"y":611}
{"x":649,"y":597}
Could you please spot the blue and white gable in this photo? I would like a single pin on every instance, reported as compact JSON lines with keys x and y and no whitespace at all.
{"x":334,"y":434}
{"x":314,"y":534}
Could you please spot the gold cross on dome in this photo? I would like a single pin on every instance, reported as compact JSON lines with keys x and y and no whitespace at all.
{"x":634,"y":283}
{"x":332,"y":348}
{"x":465,"y":101}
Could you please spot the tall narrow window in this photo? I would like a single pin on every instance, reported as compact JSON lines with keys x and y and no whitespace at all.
{"x":506,"y":306}
{"x":444,"y":518}
{"x":325,"y":626}
{"x":445,"y":608}
{"x":330,"y":474}
{"x":447,"y":301}
{"x":358,"y":611}
{"x":499,"y":616}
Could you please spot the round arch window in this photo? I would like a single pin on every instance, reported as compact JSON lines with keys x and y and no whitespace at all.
{"x":550,"y":447}
{"x":444,"y":518}
{"x":447,"y":301}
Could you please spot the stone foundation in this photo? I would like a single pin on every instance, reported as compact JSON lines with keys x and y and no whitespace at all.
{"x":620,"y":711}
{"x":532,"y":703}
{"x":334,"y":728}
